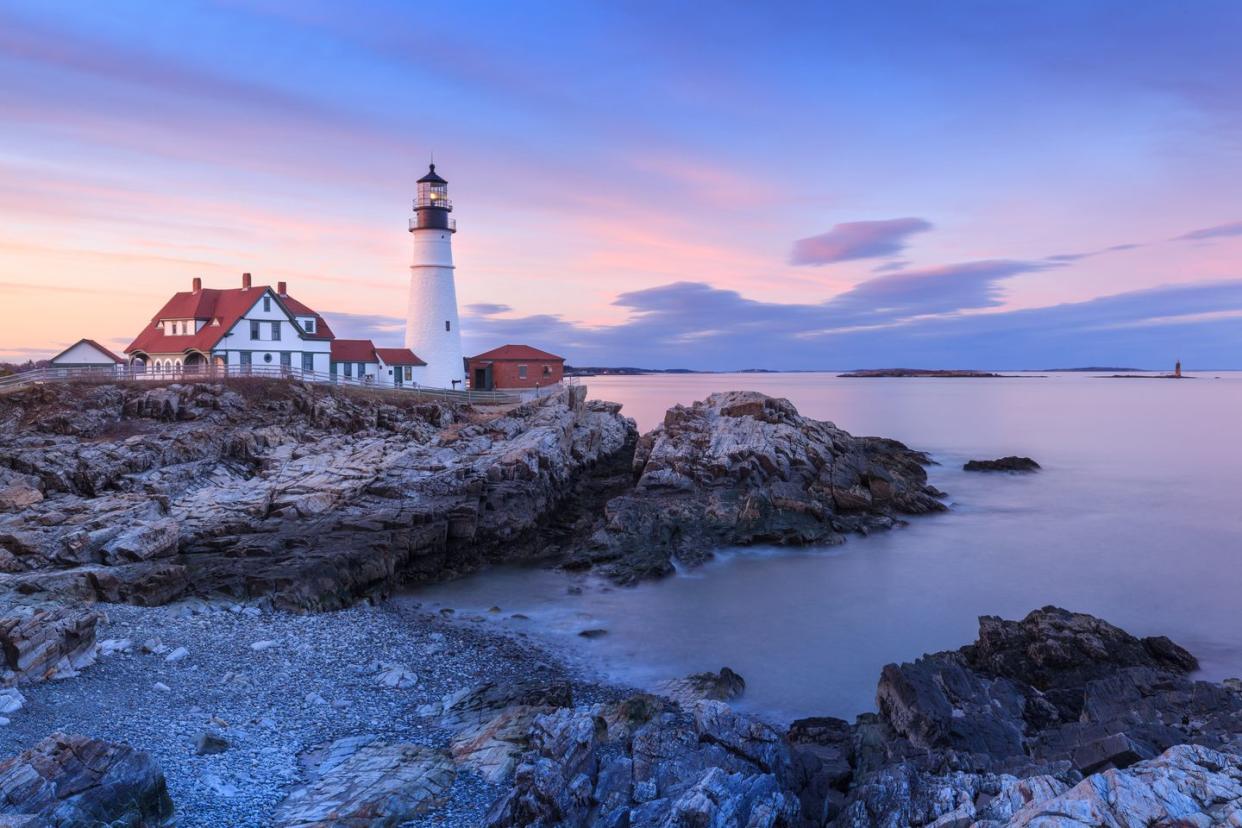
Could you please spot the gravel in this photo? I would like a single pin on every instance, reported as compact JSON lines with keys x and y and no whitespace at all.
{"x":272,"y":685}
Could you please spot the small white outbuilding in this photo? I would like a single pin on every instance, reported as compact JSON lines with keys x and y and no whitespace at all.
{"x":87,"y":353}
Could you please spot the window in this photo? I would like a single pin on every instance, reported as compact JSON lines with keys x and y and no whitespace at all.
{"x":286,"y":359}
{"x":309,"y":325}
{"x":254,"y":329}
{"x":267,"y":304}
{"x":276,"y":331}
{"x":267,"y":357}
{"x":409,"y":373}
{"x":362,"y":369}
{"x":245,"y":359}
{"x":308,"y":362}
{"x":349,"y":369}
{"x":448,"y":325}
{"x":521,"y":372}
{"x":547,"y":370}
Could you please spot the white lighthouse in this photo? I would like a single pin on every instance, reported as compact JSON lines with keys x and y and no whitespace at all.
{"x":431,"y":329}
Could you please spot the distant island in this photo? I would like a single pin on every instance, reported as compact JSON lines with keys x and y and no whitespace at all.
{"x":1092,"y":369}
{"x":1144,"y":376}
{"x":923,"y":372}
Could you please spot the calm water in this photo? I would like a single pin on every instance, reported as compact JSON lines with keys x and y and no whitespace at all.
{"x":1137,"y":517}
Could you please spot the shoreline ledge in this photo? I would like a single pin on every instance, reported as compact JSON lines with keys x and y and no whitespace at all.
{"x":313,"y":498}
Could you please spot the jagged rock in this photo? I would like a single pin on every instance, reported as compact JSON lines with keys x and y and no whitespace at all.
{"x":365,"y":781}
{"x":45,"y":642}
{"x":1185,"y":785}
{"x":722,"y":686}
{"x":74,"y":781}
{"x":714,"y":767}
{"x":310,"y":494}
{"x":742,"y":468}
{"x":1003,"y":464}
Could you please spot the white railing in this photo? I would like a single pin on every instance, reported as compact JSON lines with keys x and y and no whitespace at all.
{"x":132,"y":373}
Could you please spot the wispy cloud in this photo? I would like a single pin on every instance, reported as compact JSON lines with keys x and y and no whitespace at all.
{"x":857,"y":240}
{"x":1218,"y":232}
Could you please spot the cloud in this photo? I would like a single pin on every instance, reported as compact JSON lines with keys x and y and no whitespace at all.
{"x":699,"y":326}
{"x":487,"y":309}
{"x":387,"y":331}
{"x":857,"y":240}
{"x":1217,"y":232}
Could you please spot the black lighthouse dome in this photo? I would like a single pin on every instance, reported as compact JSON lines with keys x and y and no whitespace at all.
{"x":432,"y":204}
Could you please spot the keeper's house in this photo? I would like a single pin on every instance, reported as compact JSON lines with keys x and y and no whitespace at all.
{"x":258,"y":327}
{"x":513,"y":367}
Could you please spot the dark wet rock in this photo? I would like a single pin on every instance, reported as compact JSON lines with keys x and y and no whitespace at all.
{"x":593,"y":633}
{"x":1002,"y":464}
{"x":640,"y":762}
{"x":68,"y":780}
{"x":724,"y":685}
{"x":742,"y":468}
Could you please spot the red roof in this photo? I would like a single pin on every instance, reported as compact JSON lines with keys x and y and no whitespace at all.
{"x":94,"y":345}
{"x":399,"y":356}
{"x":220,"y":310}
{"x":353,"y":350}
{"x":296,"y":308}
{"x":517,"y":352}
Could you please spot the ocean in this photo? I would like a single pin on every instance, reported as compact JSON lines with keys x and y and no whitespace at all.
{"x":1136,"y":517}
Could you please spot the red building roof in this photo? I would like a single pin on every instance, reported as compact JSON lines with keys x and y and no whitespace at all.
{"x":512,"y":352}
{"x":219,"y":310}
{"x":94,"y":345}
{"x":399,"y":356}
{"x":353,"y":350}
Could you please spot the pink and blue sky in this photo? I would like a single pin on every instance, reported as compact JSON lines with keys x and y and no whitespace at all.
{"x":703,"y":185}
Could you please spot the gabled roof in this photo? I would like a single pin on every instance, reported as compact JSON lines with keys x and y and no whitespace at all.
{"x":220,"y":310}
{"x":296,"y":308}
{"x":517,"y":352}
{"x":353,"y":350}
{"x":398,"y":356}
{"x":94,"y":345}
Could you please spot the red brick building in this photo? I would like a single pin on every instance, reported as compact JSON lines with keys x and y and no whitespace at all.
{"x":514,"y":366}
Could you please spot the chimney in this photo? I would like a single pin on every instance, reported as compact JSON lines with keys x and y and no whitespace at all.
{"x":282,"y":288}
{"x":245,"y":281}
{"x":198,"y":283}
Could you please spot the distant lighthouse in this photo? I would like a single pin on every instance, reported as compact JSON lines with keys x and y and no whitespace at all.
{"x":431,"y":329}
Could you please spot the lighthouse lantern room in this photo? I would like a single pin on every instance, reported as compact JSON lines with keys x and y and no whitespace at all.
{"x":431,"y":327}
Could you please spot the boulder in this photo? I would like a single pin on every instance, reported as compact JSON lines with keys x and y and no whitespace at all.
{"x":44,"y":642}
{"x":71,"y":781}
{"x":741,"y":468}
{"x":1002,"y":464}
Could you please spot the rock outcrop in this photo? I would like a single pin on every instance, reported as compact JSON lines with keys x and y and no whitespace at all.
{"x":317,"y":496}
{"x":74,"y":781}
{"x":741,"y":468}
{"x":1002,"y":464}
{"x":310,"y":494}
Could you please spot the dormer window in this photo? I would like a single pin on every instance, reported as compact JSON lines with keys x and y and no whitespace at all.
{"x":309,"y":325}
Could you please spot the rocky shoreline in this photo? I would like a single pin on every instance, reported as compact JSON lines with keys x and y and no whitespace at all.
{"x":192,"y":618}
